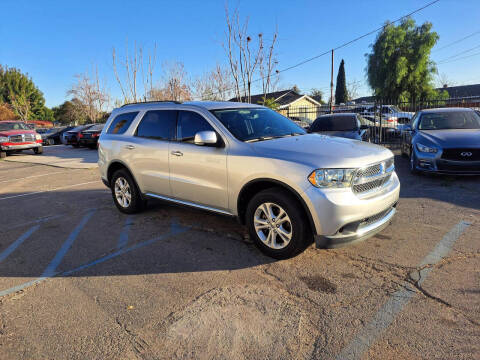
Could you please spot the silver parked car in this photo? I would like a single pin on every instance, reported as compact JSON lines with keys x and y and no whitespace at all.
{"x":248,"y":161}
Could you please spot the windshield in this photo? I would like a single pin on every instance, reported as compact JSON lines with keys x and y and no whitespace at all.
{"x":98,"y":127}
{"x":253,"y":124}
{"x":449,"y":120}
{"x":5,"y":126}
{"x":335,"y":123}
{"x":395,"y":109}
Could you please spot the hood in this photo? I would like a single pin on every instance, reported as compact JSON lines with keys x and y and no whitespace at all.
{"x":350,"y":134}
{"x":322,"y":151}
{"x":16,"y":132}
{"x":456,"y":138}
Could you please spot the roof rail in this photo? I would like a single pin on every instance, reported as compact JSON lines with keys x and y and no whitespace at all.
{"x":152,"y":102}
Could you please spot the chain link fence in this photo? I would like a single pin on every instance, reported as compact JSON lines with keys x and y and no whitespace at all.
{"x":386,"y":119}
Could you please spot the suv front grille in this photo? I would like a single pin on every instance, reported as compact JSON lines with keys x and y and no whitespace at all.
{"x":461,"y":154}
{"x":22,"y":138}
{"x":373,"y":177}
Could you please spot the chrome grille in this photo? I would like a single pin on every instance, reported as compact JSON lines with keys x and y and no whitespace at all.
{"x":16,"y":138}
{"x":22,"y":138}
{"x":373,"y":177}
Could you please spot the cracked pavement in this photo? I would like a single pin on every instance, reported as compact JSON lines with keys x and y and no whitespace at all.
{"x":190,"y":284}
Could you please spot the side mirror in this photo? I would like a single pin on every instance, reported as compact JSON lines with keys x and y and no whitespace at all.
{"x":205,"y":137}
{"x":364,"y":127}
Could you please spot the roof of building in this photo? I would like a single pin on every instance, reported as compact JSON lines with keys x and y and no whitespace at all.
{"x":462,"y":91}
{"x":282,"y":98}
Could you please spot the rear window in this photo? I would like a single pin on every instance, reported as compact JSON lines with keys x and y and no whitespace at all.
{"x":97,"y":127}
{"x":335,"y":123}
{"x":158,"y":124}
{"x":121,"y":123}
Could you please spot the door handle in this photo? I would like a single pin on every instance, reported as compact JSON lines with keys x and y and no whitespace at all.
{"x":129,"y":147}
{"x":177,"y":153}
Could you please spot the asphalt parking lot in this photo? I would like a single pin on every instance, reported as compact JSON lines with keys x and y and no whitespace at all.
{"x":80,"y":280}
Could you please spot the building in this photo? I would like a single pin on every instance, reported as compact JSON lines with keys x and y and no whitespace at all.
{"x":291,"y":104}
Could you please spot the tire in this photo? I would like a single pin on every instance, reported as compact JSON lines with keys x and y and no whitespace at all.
{"x":131,"y":204}
{"x":51,"y":142}
{"x":76,"y":145}
{"x":38,"y":150}
{"x":413,"y":162}
{"x":294,"y":228}
{"x":3,"y":154}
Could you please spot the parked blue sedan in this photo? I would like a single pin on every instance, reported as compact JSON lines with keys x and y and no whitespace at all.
{"x":443,"y":140}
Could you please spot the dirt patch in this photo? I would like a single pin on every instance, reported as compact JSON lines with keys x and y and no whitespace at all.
{"x":319,"y":283}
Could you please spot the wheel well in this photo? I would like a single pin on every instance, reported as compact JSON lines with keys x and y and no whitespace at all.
{"x":113,"y":168}
{"x":254,"y":187}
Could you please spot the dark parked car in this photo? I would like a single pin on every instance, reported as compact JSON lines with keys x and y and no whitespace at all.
{"x":347,"y":125}
{"x":443,"y":140}
{"x":73,"y":136}
{"x":90,"y":136}
{"x":54,"y":135}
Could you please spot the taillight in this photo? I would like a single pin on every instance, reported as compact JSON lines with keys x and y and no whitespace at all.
{"x":80,"y":135}
{"x":95,"y":134}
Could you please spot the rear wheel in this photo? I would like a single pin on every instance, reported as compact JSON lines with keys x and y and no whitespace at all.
{"x":125,"y":192}
{"x":276,"y":223}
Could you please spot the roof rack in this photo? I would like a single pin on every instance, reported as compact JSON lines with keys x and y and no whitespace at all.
{"x":152,"y":102}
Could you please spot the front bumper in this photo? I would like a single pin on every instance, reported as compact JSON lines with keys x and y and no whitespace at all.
{"x":22,"y":146}
{"x":433,"y":163}
{"x":341,"y":216}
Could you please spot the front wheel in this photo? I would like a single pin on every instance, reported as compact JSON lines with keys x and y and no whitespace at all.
{"x":3,"y":154}
{"x":276,"y":223}
{"x":38,"y":150}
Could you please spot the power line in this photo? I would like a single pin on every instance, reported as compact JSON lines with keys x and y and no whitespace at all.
{"x":303,"y":62}
{"x":458,"y":54}
{"x":464,"y":57}
{"x":457,"y":41}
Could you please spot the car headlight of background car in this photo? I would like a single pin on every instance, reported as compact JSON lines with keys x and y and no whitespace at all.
{"x":38,"y":136}
{"x":332,"y":178}
{"x":426,"y":149}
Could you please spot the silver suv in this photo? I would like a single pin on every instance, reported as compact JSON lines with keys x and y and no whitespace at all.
{"x":250,"y":162}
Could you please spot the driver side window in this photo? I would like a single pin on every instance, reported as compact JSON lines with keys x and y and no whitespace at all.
{"x":189,"y":123}
{"x":414,"y":121}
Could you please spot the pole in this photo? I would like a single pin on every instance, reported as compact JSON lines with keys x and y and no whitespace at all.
{"x":331,"y":88}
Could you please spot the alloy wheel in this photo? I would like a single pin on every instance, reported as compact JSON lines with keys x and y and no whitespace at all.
{"x":272,"y":225}
{"x":123,"y":193}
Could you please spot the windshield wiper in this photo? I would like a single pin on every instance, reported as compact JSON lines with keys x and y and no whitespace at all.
{"x":262,"y":138}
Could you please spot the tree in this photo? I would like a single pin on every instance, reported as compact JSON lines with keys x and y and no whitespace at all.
{"x":135,"y":71}
{"x":214,"y":85}
{"x":24,"y":98}
{"x":341,"y":95}
{"x":317,"y":94}
{"x":248,"y":56}
{"x":174,"y":85}
{"x":70,"y":112}
{"x":91,"y":95}
{"x":6,"y":112}
{"x":270,"y":103}
{"x":353,"y":90}
{"x":399,"y":66}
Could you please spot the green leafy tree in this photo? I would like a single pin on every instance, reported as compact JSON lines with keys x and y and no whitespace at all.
{"x":270,"y":103}
{"x":317,"y":95}
{"x":341,"y":89}
{"x":70,"y":112}
{"x":19,"y":91}
{"x":399,"y":66}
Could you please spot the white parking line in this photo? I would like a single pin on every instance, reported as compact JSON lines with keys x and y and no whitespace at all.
{"x":385,"y":316}
{"x":4,"y":254}
{"x":50,"y":270}
{"x":35,"y":176}
{"x":46,"y":191}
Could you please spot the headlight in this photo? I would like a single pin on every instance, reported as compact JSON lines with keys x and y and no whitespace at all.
{"x":38,"y":136}
{"x":3,"y":139}
{"x":332,"y":178}
{"x":426,"y":149}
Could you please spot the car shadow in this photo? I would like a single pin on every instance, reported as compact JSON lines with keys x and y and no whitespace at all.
{"x":80,"y":240}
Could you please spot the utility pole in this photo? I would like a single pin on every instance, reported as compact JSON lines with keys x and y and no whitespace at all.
{"x":331,"y":88}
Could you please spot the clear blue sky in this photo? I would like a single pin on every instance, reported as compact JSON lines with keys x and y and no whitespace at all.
{"x":54,"y":40}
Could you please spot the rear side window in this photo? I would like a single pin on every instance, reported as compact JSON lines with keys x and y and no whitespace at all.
{"x":189,"y":123}
{"x":158,"y":124}
{"x":121,"y":123}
